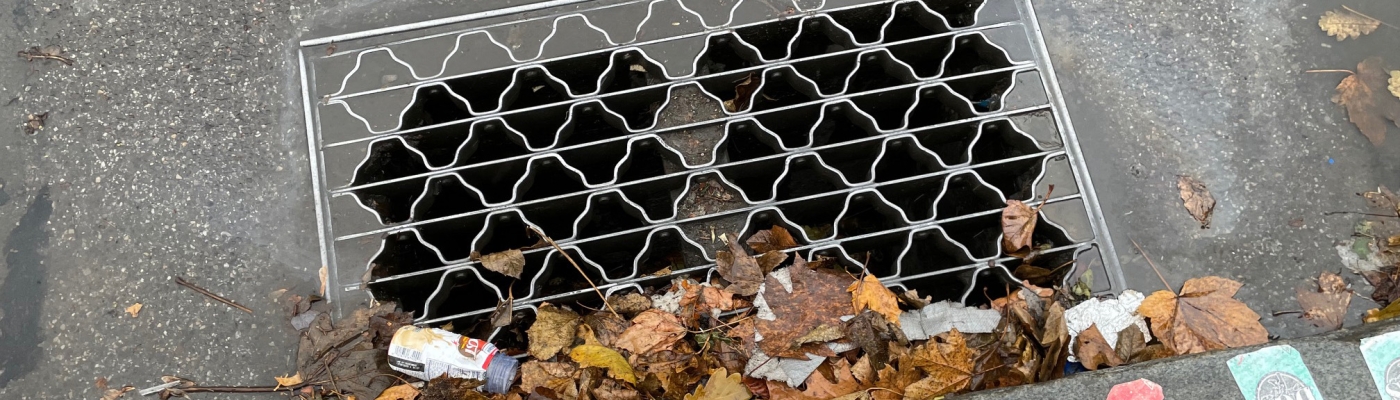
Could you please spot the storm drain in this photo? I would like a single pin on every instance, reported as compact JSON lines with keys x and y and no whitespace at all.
{"x":639,"y":135}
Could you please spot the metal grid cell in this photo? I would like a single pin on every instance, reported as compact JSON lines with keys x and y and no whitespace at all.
{"x":883,"y":133}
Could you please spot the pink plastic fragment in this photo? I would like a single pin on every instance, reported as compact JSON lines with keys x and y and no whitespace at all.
{"x":1140,"y":389}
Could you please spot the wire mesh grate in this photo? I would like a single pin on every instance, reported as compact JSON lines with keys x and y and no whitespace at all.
{"x":884,"y":134}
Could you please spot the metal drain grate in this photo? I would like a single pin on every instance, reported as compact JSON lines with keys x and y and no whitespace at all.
{"x":634,"y":133}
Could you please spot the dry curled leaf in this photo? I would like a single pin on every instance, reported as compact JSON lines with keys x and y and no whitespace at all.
{"x":559,"y":377}
{"x":1204,"y":317}
{"x":111,"y":393}
{"x":743,"y":92}
{"x":1325,"y":306}
{"x":870,"y":293}
{"x":1367,"y":105}
{"x":1018,"y":225}
{"x":1386,"y":282}
{"x":603,"y":357}
{"x":504,"y":312}
{"x":34,"y":123}
{"x":445,"y":387}
{"x":1093,"y":350}
{"x":134,"y":310}
{"x":775,"y":238}
{"x":400,"y":392}
{"x":1197,"y":199}
{"x":949,"y":365}
{"x":553,"y":330}
{"x":1343,"y":24}
{"x":651,"y":331}
{"x":721,"y":386}
{"x":288,"y":381}
{"x":630,"y":303}
{"x":739,"y":268}
{"x":509,"y":263}
{"x":1131,"y":342}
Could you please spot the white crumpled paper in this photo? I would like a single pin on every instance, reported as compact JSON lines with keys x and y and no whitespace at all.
{"x":943,"y":316}
{"x":1111,"y":316}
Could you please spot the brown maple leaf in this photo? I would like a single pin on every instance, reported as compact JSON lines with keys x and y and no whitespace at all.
{"x":739,"y":268}
{"x":950,"y":365}
{"x":651,"y":331}
{"x":809,"y":306}
{"x":1326,"y":306}
{"x":898,"y":380}
{"x":1205,"y":316}
{"x":1093,"y":350}
{"x":1198,"y":200}
{"x":1364,"y":96}
{"x":1018,"y":225}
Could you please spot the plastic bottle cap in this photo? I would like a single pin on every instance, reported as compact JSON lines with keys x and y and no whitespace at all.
{"x":501,"y":373}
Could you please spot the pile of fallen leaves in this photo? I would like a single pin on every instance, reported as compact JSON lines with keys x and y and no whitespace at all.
{"x":775,"y":325}
{"x":770,"y":324}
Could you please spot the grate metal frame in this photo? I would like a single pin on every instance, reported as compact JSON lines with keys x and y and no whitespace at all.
{"x":350,"y":123}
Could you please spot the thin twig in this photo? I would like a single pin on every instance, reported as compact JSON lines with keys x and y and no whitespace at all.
{"x":1278,"y":313}
{"x":1372,"y":18}
{"x":580,"y":269}
{"x":330,"y":372}
{"x":206,"y":293}
{"x":31,"y":55}
{"x":1312,"y":71}
{"x":1154,"y":266}
{"x":1360,"y":213}
{"x":238,"y":389}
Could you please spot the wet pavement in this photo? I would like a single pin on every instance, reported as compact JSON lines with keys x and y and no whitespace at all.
{"x":174,"y":147}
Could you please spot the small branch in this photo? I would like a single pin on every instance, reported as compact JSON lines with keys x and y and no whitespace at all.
{"x":1360,"y":213}
{"x":31,"y":55}
{"x":1154,"y":266}
{"x":240,"y":389}
{"x":1370,"y":17}
{"x":580,"y":269}
{"x":1328,"y":70}
{"x":1278,"y":313}
{"x":206,"y":293}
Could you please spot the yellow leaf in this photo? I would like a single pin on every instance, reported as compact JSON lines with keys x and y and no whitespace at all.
{"x":289,"y":381}
{"x":1344,"y":24}
{"x":870,"y":293}
{"x":599,"y":356}
{"x":721,"y":386}
{"x":401,"y":392}
{"x":134,"y":309}
{"x":1381,"y":314}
